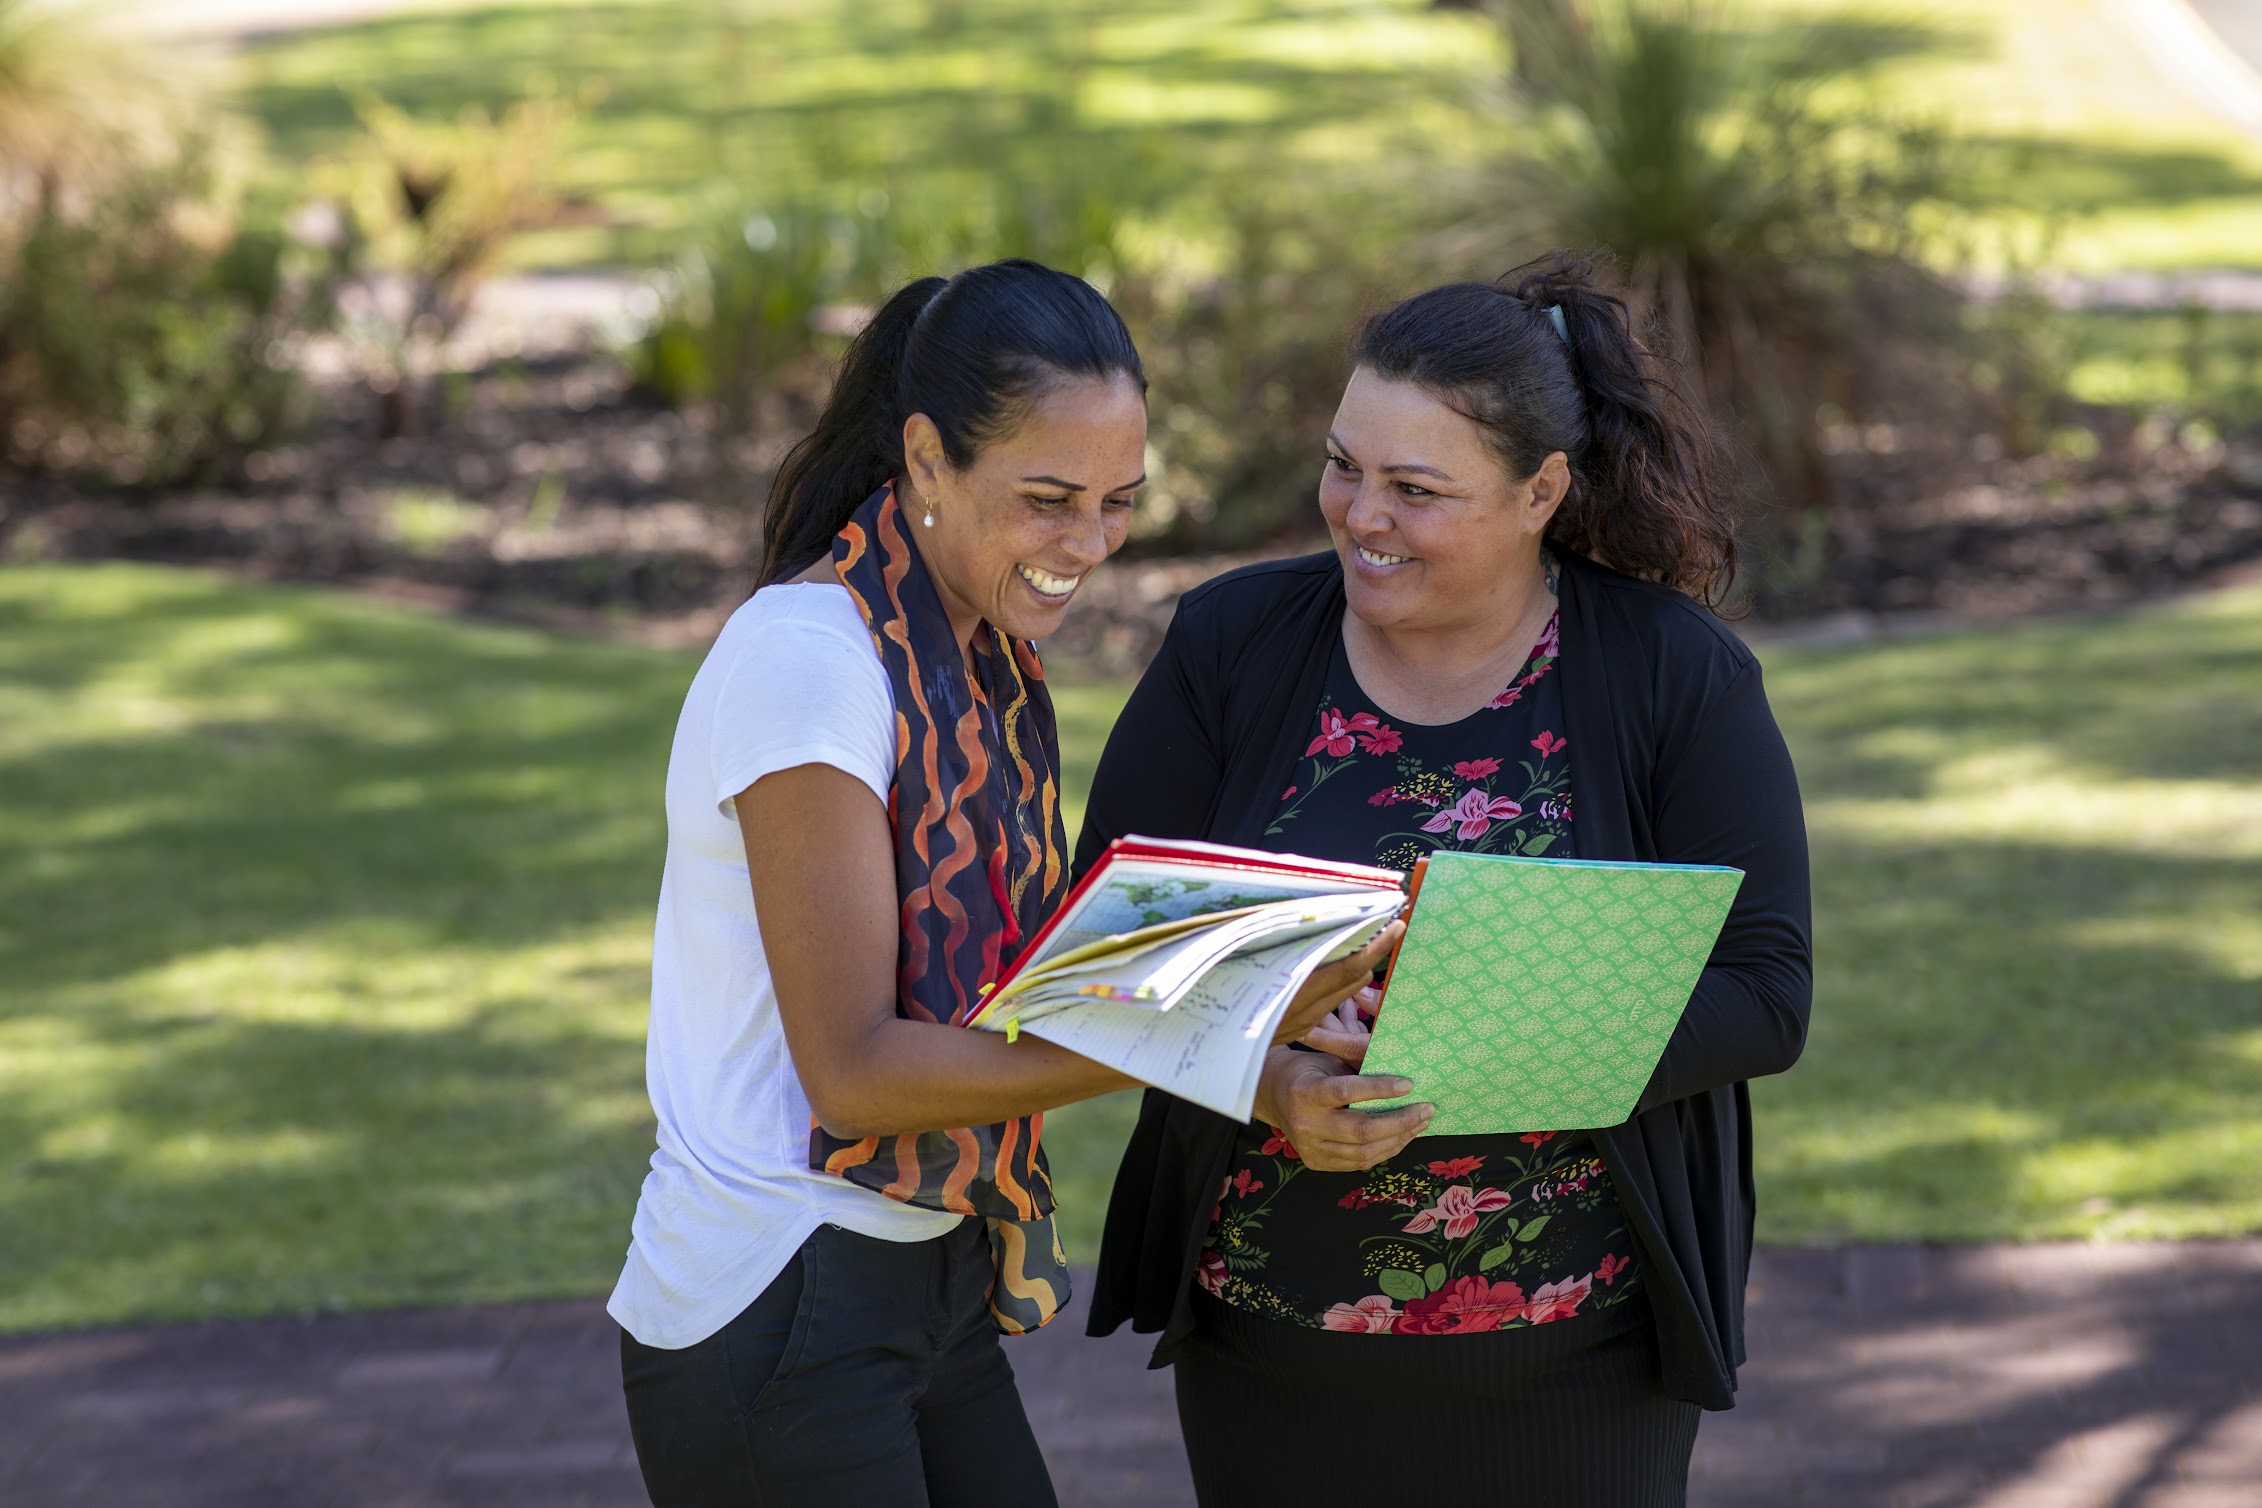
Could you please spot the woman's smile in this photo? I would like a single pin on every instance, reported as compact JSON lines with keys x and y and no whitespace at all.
{"x":1051,"y":588}
{"x":1378,"y":559}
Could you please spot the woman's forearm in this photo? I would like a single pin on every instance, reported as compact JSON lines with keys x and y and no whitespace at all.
{"x":909,"y":1076}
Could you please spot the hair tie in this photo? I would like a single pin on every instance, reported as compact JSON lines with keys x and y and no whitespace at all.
{"x":1554,"y":312}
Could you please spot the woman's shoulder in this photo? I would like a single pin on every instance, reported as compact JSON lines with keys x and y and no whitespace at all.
{"x":1262,"y":592}
{"x":1666,"y":624}
{"x":799,"y":638}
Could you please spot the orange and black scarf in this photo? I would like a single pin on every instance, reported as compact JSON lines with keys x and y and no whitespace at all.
{"x":979,"y":863}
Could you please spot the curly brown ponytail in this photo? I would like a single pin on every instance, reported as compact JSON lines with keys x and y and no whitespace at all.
{"x":1649,"y":491}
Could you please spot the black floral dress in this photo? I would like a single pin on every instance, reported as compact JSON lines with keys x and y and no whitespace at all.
{"x":1455,"y":1234}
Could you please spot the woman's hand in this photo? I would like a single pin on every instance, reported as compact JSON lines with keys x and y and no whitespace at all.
{"x":1305,"y":1094}
{"x":1333,"y":983}
{"x":1342,"y":1032}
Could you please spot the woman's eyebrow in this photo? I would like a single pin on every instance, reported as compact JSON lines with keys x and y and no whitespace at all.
{"x":1413,"y":467}
{"x":1052,"y":481}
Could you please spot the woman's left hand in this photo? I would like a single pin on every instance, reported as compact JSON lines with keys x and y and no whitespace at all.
{"x":1342,"y":1032}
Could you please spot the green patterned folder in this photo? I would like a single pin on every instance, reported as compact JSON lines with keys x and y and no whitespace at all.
{"x":1538,"y":994}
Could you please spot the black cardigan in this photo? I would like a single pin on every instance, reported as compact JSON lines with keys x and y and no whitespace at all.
{"x":1674,"y":758}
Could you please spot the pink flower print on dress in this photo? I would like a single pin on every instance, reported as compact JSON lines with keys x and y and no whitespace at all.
{"x":1550,"y":639}
{"x":1210,"y":1273}
{"x":1475,"y":812}
{"x":1459,"y":1167}
{"x":1556,"y":1300}
{"x":1549,"y":745}
{"x":1477,"y":769}
{"x":1464,"y":1307}
{"x":1276,"y":1144}
{"x":1509,"y":697}
{"x":1337,"y":732}
{"x":1372,"y":1315}
{"x":1284,"y":795}
{"x":1383,"y":740}
{"x":1537,"y":1138}
{"x":1610,"y":1266}
{"x":1457,"y":1209}
{"x":1387,"y":796}
{"x":1244,"y":1185}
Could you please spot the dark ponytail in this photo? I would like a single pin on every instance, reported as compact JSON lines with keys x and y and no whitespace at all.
{"x":972,"y":353}
{"x":1649,"y":493}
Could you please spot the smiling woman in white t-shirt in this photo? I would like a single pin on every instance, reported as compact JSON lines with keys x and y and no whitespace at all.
{"x":848,"y":1202}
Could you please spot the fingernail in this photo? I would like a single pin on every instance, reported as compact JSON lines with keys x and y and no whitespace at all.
{"x":1402,"y":1086}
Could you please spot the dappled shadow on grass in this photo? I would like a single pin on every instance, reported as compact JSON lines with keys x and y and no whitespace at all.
{"x":275,"y":1166}
{"x":289,"y":762}
{"x":2013,"y":1041}
{"x":2155,"y":694}
{"x":325,"y":930}
{"x":684,"y":95}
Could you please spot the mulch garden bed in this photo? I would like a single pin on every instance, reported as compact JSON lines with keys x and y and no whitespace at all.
{"x":552,"y":492}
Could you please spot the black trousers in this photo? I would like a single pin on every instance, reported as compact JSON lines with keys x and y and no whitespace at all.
{"x":868,"y":1373}
{"x":1569,"y":1414}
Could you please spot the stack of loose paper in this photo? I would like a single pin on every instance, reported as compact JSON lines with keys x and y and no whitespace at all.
{"x":1539,"y":994}
{"x":1175,"y":962}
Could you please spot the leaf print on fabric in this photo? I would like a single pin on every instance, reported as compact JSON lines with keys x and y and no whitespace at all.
{"x":1465,"y":1306}
{"x":1475,"y":812}
{"x":1457,"y":1210}
{"x":1372,"y":1315}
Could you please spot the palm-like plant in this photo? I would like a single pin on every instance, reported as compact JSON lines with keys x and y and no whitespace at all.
{"x":79,"y":99}
{"x":1761,"y":224}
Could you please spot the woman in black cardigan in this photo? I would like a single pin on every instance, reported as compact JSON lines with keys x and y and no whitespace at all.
{"x":1528,"y":527}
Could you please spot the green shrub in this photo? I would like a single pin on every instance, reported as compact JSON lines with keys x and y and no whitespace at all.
{"x":144,"y":340}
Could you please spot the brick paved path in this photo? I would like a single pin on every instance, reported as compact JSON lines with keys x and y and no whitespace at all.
{"x":1901,"y":1377}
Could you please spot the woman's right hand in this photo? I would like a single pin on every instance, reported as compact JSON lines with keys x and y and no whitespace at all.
{"x":1307,"y":1095}
{"x":1333,"y":983}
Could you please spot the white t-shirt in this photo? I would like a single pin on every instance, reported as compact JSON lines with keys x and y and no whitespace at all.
{"x":792,"y":680}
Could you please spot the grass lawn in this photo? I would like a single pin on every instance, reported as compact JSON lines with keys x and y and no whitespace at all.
{"x":2111,"y":164}
{"x":323,"y":927}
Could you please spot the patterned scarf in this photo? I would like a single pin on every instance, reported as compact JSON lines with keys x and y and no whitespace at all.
{"x":979,"y":863}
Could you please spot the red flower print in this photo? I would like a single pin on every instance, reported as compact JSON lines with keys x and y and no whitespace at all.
{"x":1355,"y":1200}
{"x":1383,"y":740}
{"x":1464,"y":1307}
{"x":1550,"y":640}
{"x":1276,"y":1143}
{"x":1508,"y":698}
{"x":1457,"y":1210}
{"x":1537,"y":1138}
{"x":1555,"y":1300}
{"x":1549,"y":745}
{"x":1610,"y":1266}
{"x":1244,"y":1185}
{"x":1210,"y":1273}
{"x":1476,"y":769}
{"x":1387,"y":796}
{"x":1474,"y":812}
{"x":1284,"y":795}
{"x":1459,"y":1167}
{"x":1337,"y":732}
{"x":1372,"y":1315}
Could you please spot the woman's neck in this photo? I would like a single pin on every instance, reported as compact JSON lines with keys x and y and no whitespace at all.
{"x":1442,"y":673}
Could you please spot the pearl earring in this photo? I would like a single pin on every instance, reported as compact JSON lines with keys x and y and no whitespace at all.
{"x":930,"y":518}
